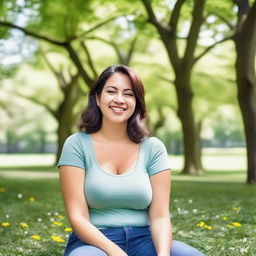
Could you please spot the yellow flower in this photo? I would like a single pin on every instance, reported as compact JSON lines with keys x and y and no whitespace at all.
{"x":225,"y":218}
{"x":24,"y":225}
{"x":201,"y":224}
{"x":68,"y":229}
{"x":31,"y":199}
{"x":57,"y":239}
{"x":229,"y":226}
{"x":236,"y":224}
{"x":2,"y":190}
{"x":57,"y":223}
{"x":208,"y":227}
{"x":60,"y":217}
{"x":5,"y":224}
{"x":36,"y":237}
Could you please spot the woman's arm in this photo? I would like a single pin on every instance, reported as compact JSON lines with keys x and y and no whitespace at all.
{"x":72,"y":187}
{"x":159,"y":212}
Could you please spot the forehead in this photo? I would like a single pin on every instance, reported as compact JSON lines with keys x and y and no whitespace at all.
{"x":119,"y":80}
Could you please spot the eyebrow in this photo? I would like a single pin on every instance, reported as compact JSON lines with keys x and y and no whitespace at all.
{"x":116,"y":88}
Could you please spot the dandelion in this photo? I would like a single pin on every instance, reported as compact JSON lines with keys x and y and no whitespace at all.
{"x":57,"y":239}
{"x":19,"y":195}
{"x":68,"y":229}
{"x":236,"y":224}
{"x":235,"y":209}
{"x":2,"y":190}
{"x":57,"y":223}
{"x":5,"y":224}
{"x":36,"y":237}
{"x":24,"y":225}
{"x":201,"y":224}
{"x":32,"y":199}
{"x":60,"y":217}
{"x":208,"y":227}
{"x":225,"y":218}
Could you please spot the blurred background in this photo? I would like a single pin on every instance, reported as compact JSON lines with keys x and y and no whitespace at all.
{"x":195,"y":58}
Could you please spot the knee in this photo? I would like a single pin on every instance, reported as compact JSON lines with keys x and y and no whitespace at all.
{"x":88,"y":250}
{"x":182,"y":249}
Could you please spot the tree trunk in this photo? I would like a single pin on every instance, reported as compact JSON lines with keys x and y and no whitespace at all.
{"x":246,"y":83}
{"x":245,"y":43}
{"x":191,"y":145}
{"x":64,"y":126}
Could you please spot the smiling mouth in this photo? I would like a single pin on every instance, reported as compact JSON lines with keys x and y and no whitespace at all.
{"x":117,"y":109}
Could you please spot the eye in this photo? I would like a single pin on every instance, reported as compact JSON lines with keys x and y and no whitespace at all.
{"x":111,"y":91}
{"x":129,"y":94}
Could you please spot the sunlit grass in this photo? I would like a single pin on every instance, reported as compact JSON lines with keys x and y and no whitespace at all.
{"x":214,"y":212}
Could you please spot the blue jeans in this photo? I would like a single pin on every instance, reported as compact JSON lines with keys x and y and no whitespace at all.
{"x":135,"y":241}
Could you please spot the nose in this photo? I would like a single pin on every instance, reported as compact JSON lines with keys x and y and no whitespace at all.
{"x":119,"y":98}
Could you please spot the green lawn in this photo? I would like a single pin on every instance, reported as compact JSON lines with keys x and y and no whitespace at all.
{"x":214,"y":212}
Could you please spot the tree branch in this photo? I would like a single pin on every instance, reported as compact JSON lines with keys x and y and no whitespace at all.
{"x":30,"y":33}
{"x":194,"y":30}
{"x":131,"y":51}
{"x":90,"y":62}
{"x":206,"y":50}
{"x":226,"y":21}
{"x":60,"y":78}
{"x":95,"y":27}
{"x":36,"y":101}
{"x":118,"y":53}
{"x":173,"y":22}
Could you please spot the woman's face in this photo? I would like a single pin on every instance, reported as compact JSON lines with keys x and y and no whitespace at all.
{"x":117,"y":100}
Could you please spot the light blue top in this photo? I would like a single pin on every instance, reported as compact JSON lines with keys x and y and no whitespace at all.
{"x":116,"y":200}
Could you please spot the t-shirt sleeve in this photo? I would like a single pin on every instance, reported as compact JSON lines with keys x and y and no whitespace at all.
{"x":72,"y":153}
{"x":158,"y":158}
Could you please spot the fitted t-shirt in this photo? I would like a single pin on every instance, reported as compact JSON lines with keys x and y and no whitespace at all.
{"x":116,"y":200}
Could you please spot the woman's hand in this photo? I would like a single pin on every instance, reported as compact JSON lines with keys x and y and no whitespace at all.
{"x":118,"y":252}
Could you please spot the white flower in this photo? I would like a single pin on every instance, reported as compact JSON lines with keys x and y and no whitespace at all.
{"x":7,"y":216}
{"x":243,"y":250}
{"x":194,"y":211}
{"x":39,"y":219}
{"x":56,"y":213}
{"x":49,"y":214}
{"x":190,"y":201}
{"x":244,"y":240}
{"x":19,"y":195}
{"x":176,"y":201}
{"x":51,"y":219}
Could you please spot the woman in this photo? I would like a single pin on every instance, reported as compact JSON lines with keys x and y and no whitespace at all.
{"x":115,"y":178}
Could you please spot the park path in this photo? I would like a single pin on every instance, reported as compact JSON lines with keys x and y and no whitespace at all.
{"x":28,"y":174}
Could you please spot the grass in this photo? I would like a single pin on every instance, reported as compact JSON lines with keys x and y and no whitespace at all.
{"x":214,"y":212}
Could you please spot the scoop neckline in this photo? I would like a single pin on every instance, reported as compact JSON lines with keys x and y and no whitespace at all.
{"x":126,"y":173}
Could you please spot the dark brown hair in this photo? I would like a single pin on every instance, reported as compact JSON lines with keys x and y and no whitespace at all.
{"x":91,"y":117}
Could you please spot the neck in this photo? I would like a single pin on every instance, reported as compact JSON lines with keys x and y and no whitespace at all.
{"x":114,"y":132}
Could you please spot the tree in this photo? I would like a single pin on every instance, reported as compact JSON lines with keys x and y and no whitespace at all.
{"x":183,"y":66}
{"x":245,"y":43}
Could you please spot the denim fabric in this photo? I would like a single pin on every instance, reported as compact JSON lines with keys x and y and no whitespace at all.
{"x":135,"y":241}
